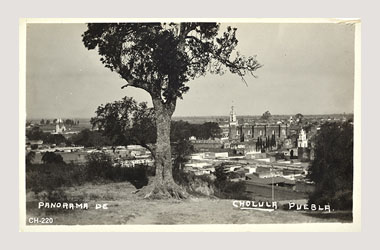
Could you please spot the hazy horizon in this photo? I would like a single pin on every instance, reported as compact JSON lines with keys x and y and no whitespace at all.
{"x":308,"y":69}
{"x":187,"y":116}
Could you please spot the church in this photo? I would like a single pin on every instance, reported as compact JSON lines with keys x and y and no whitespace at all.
{"x":252,"y":131}
{"x":59,"y":127}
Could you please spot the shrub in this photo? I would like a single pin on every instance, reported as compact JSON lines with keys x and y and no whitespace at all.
{"x":137,"y":175}
{"x":98,"y":165}
{"x":49,"y":177}
{"x":231,"y":190}
{"x":29,"y":158}
{"x":218,"y":185}
{"x":51,"y":157}
{"x":185,"y":179}
{"x":201,"y":184}
{"x":227,"y":189}
{"x":100,"y":168}
{"x":341,"y":200}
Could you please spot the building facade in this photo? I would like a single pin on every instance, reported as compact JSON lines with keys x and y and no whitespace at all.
{"x":302,"y":141}
{"x":59,"y":127}
{"x":252,"y":131}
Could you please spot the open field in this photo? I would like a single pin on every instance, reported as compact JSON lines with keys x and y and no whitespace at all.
{"x":128,"y":208}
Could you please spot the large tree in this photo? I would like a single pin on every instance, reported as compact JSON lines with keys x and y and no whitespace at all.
{"x":332,"y":168}
{"x":161,"y":58}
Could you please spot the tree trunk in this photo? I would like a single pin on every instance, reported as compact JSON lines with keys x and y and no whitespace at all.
{"x":163,"y":185}
{"x":163,"y":161}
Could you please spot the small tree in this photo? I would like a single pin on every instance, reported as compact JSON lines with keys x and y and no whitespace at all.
{"x":29,"y":158}
{"x":181,"y":150}
{"x":51,"y":157}
{"x":266,"y":116}
{"x":299,"y":117}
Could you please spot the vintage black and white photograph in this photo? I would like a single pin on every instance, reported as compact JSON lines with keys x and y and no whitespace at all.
{"x":209,"y":123}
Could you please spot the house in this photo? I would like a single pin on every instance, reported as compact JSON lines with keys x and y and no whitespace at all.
{"x":207,"y":145}
{"x":216,"y":155}
{"x":250,"y":169}
{"x":197,"y":156}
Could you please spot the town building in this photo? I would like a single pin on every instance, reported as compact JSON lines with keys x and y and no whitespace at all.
{"x":207,"y":145}
{"x":302,"y":141}
{"x":303,"y":149}
{"x":234,"y":131}
{"x":253,"y":131}
{"x":59,"y":127}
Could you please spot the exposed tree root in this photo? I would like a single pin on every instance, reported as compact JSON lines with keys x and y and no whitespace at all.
{"x":163,"y":190}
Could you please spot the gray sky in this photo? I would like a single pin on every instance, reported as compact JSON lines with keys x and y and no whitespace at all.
{"x":308,"y":69}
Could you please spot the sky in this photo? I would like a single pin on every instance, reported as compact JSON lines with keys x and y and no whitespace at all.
{"x":308,"y":69}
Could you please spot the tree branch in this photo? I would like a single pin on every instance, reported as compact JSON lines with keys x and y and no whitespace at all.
{"x":194,"y":38}
{"x":136,"y":83}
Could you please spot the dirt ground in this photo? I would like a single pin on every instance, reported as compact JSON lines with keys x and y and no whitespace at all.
{"x":125,"y":207}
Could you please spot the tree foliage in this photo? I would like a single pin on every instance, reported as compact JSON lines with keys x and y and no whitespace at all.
{"x":161,"y":57}
{"x":227,"y":189}
{"x":69,"y":122}
{"x":97,"y":165}
{"x":299,"y":117}
{"x":37,"y":134}
{"x":332,"y":168}
{"x":126,"y":122}
{"x":266,"y":116}
{"x":184,"y":130}
{"x":181,"y":151}
{"x":51,"y":157}
{"x":29,"y":158}
{"x":88,"y":138}
{"x":208,"y":130}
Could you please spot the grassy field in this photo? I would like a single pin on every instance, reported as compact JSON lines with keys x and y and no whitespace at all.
{"x":124,"y":207}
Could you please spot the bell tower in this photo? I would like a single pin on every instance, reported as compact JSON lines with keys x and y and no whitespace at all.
{"x":233,"y":120}
{"x":233,"y":126}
